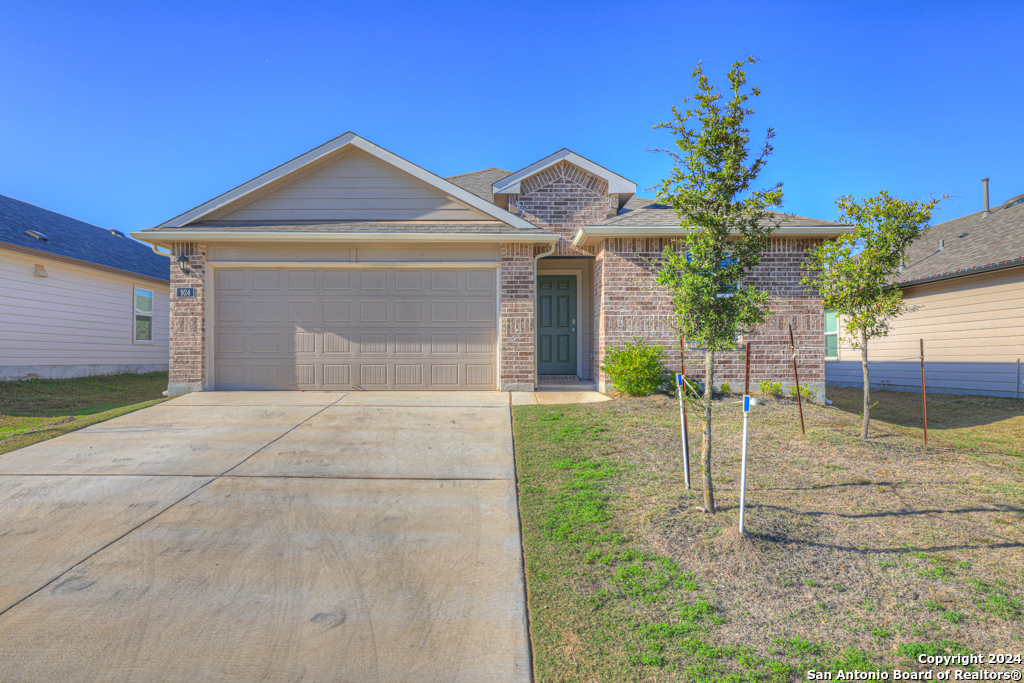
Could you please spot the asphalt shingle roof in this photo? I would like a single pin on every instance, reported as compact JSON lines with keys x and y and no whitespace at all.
{"x":989,"y":242}
{"x":479,"y":182}
{"x":469,"y":228}
{"x":639,"y":212}
{"x":78,"y":240}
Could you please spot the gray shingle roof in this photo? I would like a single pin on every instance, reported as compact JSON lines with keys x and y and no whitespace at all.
{"x":640,"y":212}
{"x":468,"y":228}
{"x":78,"y":240}
{"x":479,"y":182}
{"x":990,"y":242}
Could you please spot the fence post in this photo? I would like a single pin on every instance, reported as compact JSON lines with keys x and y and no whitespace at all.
{"x":796,"y":378}
{"x":924,"y":399}
{"x":746,"y":415}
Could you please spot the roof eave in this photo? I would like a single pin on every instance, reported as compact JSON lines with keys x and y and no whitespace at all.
{"x":164,"y":238}
{"x":80,"y":262}
{"x":593,"y":234}
{"x":961,"y":272}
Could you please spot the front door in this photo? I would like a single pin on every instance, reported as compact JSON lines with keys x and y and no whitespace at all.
{"x":556,"y":323}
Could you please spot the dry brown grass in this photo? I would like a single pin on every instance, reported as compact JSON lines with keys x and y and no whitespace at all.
{"x":859,"y":544}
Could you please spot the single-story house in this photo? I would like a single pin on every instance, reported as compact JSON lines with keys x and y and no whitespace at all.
{"x":78,"y":299}
{"x":965,"y":281}
{"x":349,"y":267}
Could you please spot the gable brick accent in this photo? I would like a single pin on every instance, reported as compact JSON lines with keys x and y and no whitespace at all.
{"x":562,"y":199}
{"x":187,"y":370}
{"x":517,"y":317}
{"x":632,"y":305}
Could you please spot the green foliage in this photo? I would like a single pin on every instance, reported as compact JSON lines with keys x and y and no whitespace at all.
{"x":769,"y":389}
{"x":806,"y":393}
{"x":725,"y":388}
{"x":728,"y":224}
{"x":854,"y":273}
{"x":636,"y":368}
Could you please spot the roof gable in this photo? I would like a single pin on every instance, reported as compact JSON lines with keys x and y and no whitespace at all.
{"x":354,"y":187}
{"x":287,"y":192}
{"x":73,"y":239}
{"x":617,"y":185}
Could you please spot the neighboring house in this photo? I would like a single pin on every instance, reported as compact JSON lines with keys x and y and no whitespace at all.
{"x":350,"y":267}
{"x":965,"y":280}
{"x":77,"y":299}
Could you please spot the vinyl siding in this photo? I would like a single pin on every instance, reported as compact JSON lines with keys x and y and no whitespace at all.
{"x":977,"y":318}
{"x":77,"y":316}
{"x":973,"y":331}
{"x":356,"y":187}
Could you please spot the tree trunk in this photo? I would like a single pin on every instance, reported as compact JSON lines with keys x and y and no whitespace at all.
{"x":867,"y":386}
{"x":705,"y":445}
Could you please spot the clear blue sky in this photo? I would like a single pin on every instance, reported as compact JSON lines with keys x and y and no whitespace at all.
{"x":126,"y":114}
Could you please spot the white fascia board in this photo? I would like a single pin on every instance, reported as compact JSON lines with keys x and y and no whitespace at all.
{"x":592,"y":234}
{"x":616,"y":183}
{"x":166,"y":237}
{"x":336,"y":147}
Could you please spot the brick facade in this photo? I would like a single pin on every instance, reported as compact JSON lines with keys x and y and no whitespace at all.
{"x":188,"y":322}
{"x":562,"y":199}
{"x":517,"y":317}
{"x":631,"y":305}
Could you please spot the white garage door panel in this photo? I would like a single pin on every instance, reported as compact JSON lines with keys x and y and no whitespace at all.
{"x":386,"y":328}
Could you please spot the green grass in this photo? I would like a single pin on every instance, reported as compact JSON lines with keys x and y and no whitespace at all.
{"x":39,"y":409}
{"x":603,"y":608}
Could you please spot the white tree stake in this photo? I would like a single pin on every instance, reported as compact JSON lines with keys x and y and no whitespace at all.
{"x":682,"y":429}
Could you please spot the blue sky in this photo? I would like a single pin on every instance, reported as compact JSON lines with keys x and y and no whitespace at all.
{"x":126,"y":114}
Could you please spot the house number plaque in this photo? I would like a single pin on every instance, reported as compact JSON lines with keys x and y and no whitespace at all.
{"x":185,"y":293}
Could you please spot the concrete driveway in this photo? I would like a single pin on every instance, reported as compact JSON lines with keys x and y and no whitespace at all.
{"x":268,"y":537}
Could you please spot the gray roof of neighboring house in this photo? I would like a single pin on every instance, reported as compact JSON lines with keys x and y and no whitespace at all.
{"x":74,"y":239}
{"x":639,"y":212}
{"x":469,"y":228}
{"x":479,"y":182}
{"x":988,"y":243}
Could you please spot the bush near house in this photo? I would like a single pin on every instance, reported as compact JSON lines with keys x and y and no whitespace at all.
{"x":638,"y":368}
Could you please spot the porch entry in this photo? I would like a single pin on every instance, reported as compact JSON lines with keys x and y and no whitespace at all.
{"x":556,"y":324}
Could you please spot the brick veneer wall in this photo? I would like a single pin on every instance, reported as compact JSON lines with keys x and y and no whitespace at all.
{"x":631,"y":304}
{"x":517,"y":318}
{"x":562,"y":199}
{"x":188,"y":322}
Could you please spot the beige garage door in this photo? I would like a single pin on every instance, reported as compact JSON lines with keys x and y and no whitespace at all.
{"x":338,"y":328}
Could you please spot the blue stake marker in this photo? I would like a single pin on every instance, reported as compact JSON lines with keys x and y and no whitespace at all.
{"x":681,"y":385}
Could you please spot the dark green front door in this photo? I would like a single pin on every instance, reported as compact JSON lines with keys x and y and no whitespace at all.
{"x":556,"y":324}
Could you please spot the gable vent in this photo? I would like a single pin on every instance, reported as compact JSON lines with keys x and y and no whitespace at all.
{"x":38,"y":235}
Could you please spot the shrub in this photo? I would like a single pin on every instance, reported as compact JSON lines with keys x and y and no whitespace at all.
{"x":770,"y":389}
{"x":636,"y":369}
{"x":806,"y":393}
{"x":725,"y":388}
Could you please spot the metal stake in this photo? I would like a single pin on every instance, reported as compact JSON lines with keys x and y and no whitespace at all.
{"x":924,"y":399}
{"x":682,"y":410}
{"x":796,"y":378}
{"x":746,"y":415}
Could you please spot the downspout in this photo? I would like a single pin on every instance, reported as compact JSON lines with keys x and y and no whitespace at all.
{"x":536,"y":332}
{"x":160,"y":253}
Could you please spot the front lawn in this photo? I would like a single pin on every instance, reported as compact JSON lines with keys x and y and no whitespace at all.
{"x":858,"y":555}
{"x":35,"y":410}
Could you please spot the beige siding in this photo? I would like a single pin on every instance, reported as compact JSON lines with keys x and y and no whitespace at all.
{"x":356,"y":187}
{"x":978,"y":318}
{"x":77,"y":316}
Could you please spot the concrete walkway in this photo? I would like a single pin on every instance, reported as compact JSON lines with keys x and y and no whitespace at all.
{"x":268,"y":537}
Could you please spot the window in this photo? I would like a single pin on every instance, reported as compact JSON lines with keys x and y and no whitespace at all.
{"x":143,"y":315}
{"x":831,"y":335}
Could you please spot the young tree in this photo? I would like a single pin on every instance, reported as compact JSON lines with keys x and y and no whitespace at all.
{"x":854,"y":274}
{"x":728,"y":226}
